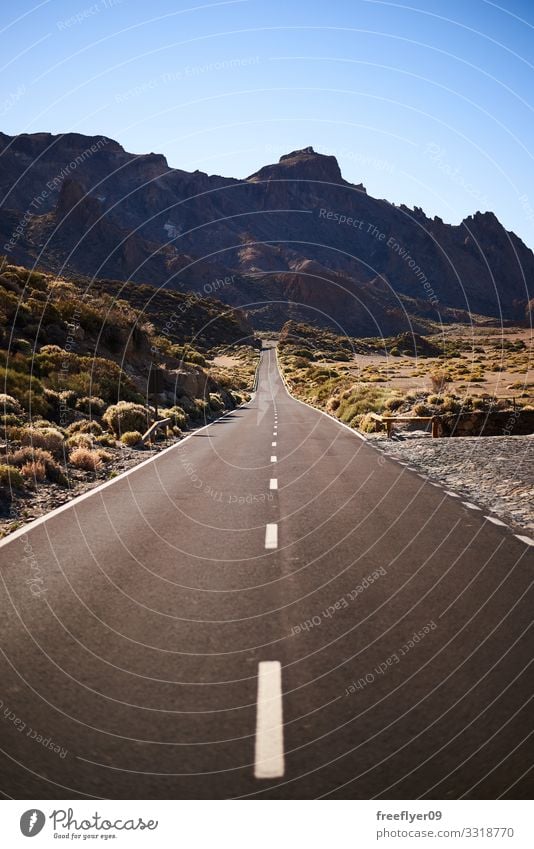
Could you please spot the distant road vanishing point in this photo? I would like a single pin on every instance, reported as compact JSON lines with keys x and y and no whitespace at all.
{"x":269,"y":609}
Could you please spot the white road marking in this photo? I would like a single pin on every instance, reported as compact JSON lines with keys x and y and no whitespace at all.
{"x":470,"y":506}
{"x":495,"y":521}
{"x":526,"y":540}
{"x":269,"y":753}
{"x":273,"y":483}
{"x":271,"y":536}
{"x":273,"y":458}
{"x":273,"y":444}
{"x":452,"y":494}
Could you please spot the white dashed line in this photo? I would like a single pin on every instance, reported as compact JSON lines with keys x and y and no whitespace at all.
{"x":269,"y":754}
{"x":273,"y":458}
{"x":526,"y":540}
{"x":273,"y":444}
{"x":273,"y":483}
{"x":470,"y":506}
{"x":271,"y":536}
{"x":495,"y":521}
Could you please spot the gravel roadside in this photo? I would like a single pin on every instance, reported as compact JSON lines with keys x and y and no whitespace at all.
{"x":495,"y":472}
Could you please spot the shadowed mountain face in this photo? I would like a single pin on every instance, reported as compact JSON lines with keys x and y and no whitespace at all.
{"x":294,"y":240}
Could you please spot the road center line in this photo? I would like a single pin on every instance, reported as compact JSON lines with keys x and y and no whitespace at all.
{"x":273,"y":458}
{"x":273,"y":483}
{"x":269,"y":754}
{"x":271,"y":536}
{"x":273,"y":444}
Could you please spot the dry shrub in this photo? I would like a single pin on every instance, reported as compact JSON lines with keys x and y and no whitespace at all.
{"x":80,"y":440}
{"x":35,"y":470}
{"x":82,"y":458}
{"x":106,"y":439}
{"x":125,"y":416}
{"x":84,"y":426}
{"x":10,"y":477}
{"x":105,"y":456}
{"x":37,"y":455}
{"x":131,"y":438}
{"x":421,"y":410}
{"x":438,"y":378}
{"x":8,"y":404}
{"x":92,"y":405}
{"x":47,"y":438}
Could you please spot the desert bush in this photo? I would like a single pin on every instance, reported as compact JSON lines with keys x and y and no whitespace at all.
{"x":176,"y":430}
{"x":8,"y":404}
{"x":47,"y":438}
{"x":105,"y":439}
{"x":60,"y":404}
{"x":177,"y":416}
{"x":422,"y":410}
{"x":126,"y":416}
{"x":303,"y":353}
{"x":91,"y":405}
{"x":395,"y":352}
{"x":393,"y":403}
{"x":434,"y":399}
{"x":10,"y":477}
{"x":361,"y":399}
{"x":35,"y":470}
{"x":50,"y":349}
{"x":367,"y":424}
{"x":22,"y":346}
{"x":215,"y":401}
{"x":11,"y":420}
{"x":37,"y":455}
{"x":131,"y":438}
{"x":80,"y":440}
{"x":438,"y":378}
{"x":451,"y":405}
{"x":84,"y":426}
{"x":84,"y":459}
{"x":186,"y":354}
{"x":200,"y":408}
{"x":105,"y":456}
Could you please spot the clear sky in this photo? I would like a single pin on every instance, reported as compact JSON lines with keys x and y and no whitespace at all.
{"x":429,"y":103}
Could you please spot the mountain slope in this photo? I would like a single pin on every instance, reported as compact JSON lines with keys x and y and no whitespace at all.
{"x":299,"y":240}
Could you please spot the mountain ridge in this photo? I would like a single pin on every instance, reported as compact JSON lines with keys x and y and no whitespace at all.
{"x":289,"y":233}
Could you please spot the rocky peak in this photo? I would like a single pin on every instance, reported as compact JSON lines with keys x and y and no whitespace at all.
{"x":304,"y":164}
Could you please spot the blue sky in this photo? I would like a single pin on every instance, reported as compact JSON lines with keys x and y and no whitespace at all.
{"x":428,"y":104}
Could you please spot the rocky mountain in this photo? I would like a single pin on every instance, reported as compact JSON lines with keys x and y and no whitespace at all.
{"x":292,"y":241}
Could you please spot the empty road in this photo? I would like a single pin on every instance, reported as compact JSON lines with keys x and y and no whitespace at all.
{"x":269,"y":609}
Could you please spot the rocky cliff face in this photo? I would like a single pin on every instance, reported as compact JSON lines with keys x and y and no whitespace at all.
{"x":295,"y":233}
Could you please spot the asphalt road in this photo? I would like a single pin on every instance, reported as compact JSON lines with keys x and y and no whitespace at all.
{"x":190,"y":631}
